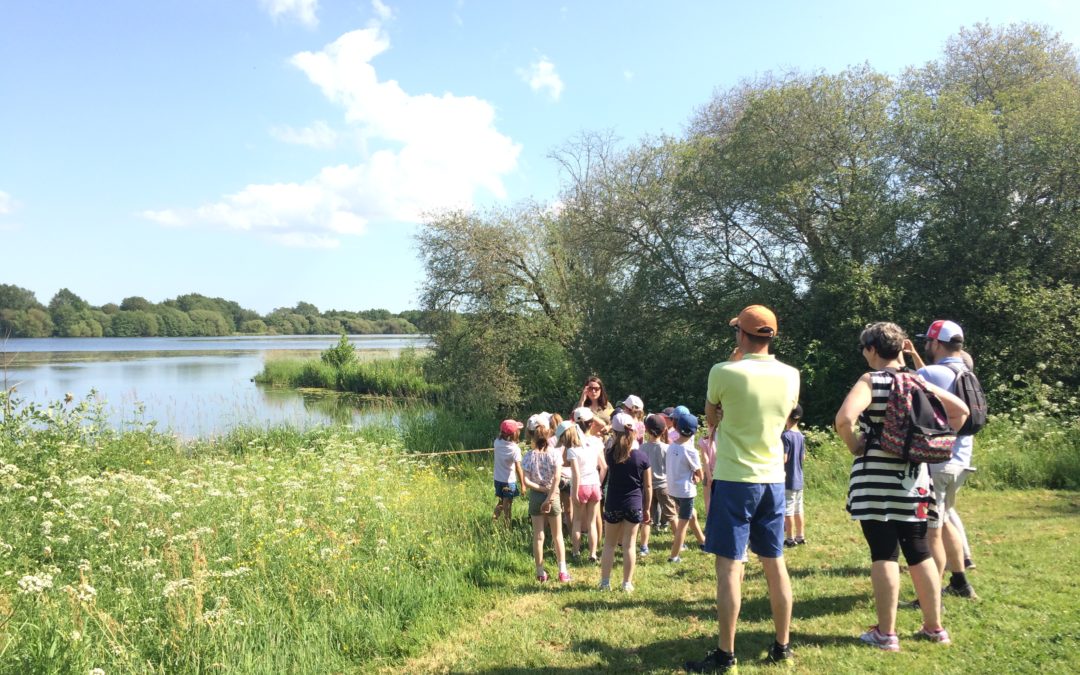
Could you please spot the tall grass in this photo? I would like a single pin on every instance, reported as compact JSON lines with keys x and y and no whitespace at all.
{"x":263,"y":551}
{"x":401,"y":376}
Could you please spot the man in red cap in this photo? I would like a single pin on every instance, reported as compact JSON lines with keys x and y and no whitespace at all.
{"x":753,"y":395}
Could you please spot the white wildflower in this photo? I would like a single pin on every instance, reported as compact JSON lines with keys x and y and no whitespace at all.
{"x":76,"y":636}
{"x":174,"y":587}
{"x":97,"y":671}
{"x":33,"y":584}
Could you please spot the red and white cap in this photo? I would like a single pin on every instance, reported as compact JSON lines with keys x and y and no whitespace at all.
{"x":944,"y":331}
{"x":510,"y":426}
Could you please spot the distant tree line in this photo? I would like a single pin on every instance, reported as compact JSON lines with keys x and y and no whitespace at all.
{"x":68,"y":315}
{"x":949,"y":191}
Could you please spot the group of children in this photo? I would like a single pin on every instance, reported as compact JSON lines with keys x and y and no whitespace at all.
{"x":620,"y":473}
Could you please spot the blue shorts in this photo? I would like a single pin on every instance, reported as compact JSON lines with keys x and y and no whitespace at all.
{"x":685,"y":506}
{"x":745,"y":512}
{"x":506,"y":490}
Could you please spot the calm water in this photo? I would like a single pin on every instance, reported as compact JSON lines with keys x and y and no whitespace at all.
{"x":190,"y":386}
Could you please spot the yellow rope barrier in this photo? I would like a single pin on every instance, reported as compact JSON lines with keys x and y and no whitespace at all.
{"x":448,"y":452}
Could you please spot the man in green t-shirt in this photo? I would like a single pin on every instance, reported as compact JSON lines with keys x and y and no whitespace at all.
{"x":753,"y":395}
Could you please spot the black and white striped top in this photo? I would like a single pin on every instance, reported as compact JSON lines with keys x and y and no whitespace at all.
{"x":884,"y":486}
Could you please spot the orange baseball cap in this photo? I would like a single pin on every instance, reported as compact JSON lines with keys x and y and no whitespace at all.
{"x":756,"y":320}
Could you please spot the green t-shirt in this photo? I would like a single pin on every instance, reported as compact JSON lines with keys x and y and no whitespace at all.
{"x":757,"y":394}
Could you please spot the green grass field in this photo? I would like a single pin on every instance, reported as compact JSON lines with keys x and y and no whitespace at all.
{"x":1026,"y":618}
{"x":339,"y":551}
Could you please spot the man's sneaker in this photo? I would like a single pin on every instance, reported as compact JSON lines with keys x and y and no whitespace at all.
{"x":644,"y":550}
{"x":605,"y":585}
{"x":876,"y":638}
{"x":674,"y":559}
{"x":627,"y":587}
{"x":780,"y":654}
{"x":789,"y":542}
{"x":799,"y":541}
{"x":712,"y":664}
{"x":969,"y":564}
{"x":564,"y":577}
{"x":542,"y":577}
{"x":965,"y":591}
{"x":940,"y":636}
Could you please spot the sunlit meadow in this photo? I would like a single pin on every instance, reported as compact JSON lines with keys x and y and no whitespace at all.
{"x":267,"y":551}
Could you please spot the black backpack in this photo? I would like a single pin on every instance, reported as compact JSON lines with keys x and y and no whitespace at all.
{"x":967,"y":389}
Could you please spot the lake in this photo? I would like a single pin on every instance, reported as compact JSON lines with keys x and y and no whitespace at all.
{"x":194,"y":387}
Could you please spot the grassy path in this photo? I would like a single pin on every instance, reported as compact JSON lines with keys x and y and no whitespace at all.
{"x":1026,"y":620}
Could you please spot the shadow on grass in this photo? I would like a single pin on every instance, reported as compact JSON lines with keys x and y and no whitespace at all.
{"x":803,"y":572}
{"x":753,"y":609}
{"x":668,"y":655}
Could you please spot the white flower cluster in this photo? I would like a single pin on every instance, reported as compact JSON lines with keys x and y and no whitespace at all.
{"x":33,"y":584}
{"x":174,"y":587}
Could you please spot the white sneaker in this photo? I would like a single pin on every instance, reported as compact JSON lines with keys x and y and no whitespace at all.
{"x":627,"y":587}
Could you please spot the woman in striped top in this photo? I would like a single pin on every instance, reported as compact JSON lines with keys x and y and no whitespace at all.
{"x":890,"y":497}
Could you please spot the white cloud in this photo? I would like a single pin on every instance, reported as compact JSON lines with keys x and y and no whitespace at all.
{"x":429,"y":152}
{"x":381,"y":10}
{"x":541,"y":76}
{"x":300,"y":10}
{"x":7,"y":203}
{"x":319,"y":135}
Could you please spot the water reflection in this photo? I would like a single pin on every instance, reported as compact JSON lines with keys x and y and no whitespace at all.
{"x":192,"y":392}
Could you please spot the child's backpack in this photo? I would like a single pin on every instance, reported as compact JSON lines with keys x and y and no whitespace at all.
{"x":916,"y":426}
{"x":970,"y":391}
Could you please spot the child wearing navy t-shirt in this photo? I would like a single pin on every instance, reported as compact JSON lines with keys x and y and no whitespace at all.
{"x":794,"y":454}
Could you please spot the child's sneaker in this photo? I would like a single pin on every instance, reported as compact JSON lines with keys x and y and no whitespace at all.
{"x":594,"y":560}
{"x":940,"y":636}
{"x":674,"y":559}
{"x":969,"y":564}
{"x":564,"y":577}
{"x":799,"y":541}
{"x":876,"y":638}
{"x":643,"y":551}
{"x":789,"y":542}
{"x":542,"y":577}
{"x":605,"y":585}
{"x":627,"y":587}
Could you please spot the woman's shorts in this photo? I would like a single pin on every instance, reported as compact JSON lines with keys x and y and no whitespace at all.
{"x":793,"y":502}
{"x":887,"y":538}
{"x":506,"y":490}
{"x":685,"y":507}
{"x":588,"y":493}
{"x":615,"y":517}
{"x":564,"y":486}
{"x":536,"y":500}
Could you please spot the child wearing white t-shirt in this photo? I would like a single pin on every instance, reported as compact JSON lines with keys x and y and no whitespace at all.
{"x":683,"y":475}
{"x":508,"y":474}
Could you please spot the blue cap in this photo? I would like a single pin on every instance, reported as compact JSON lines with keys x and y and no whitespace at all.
{"x":686,"y":424}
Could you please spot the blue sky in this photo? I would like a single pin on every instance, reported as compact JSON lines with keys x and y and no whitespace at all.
{"x":272,"y":151}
